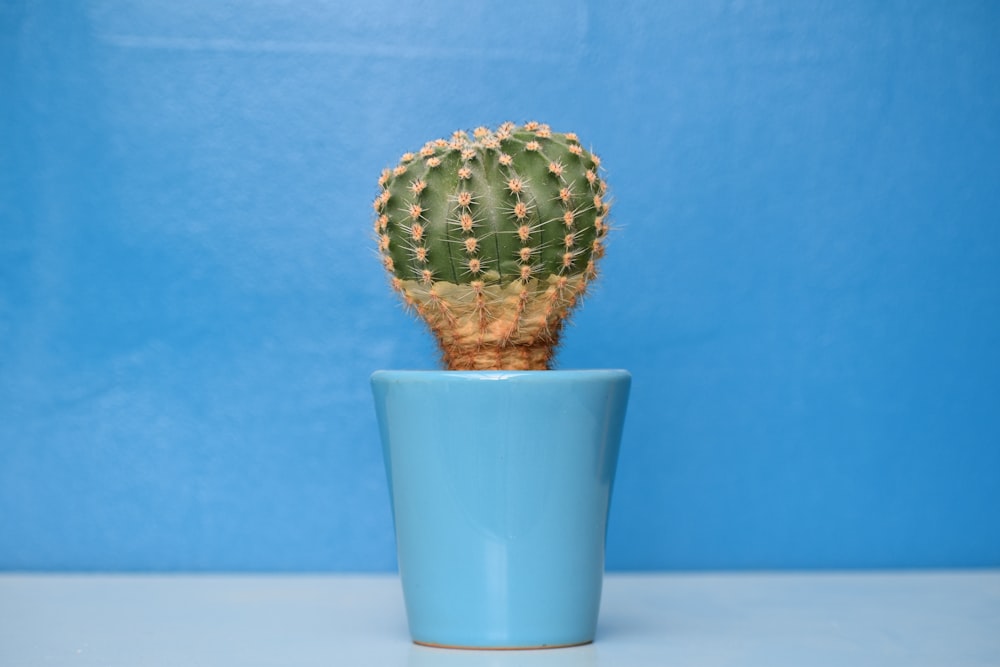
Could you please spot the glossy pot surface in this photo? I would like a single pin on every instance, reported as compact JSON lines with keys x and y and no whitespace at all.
{"x":500,"y":485}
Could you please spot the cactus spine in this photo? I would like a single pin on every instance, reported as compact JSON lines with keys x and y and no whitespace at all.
{"x":493,"y":239}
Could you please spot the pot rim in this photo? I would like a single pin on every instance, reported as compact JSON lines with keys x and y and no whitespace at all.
{"x":571,"y":375}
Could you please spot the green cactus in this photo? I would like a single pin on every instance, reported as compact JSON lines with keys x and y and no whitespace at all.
{"x":493,"y":240}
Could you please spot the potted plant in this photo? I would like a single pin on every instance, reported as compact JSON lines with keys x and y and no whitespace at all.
{"x":500,"y":470}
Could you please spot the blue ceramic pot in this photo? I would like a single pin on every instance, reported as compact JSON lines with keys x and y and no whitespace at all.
{"x":500,"y":483}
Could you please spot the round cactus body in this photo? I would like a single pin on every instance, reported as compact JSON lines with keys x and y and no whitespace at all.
{"x":493,"y":240}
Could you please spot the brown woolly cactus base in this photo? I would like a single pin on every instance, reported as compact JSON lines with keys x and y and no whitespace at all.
{"x":494,"y":327}
{"x":508,"y":358}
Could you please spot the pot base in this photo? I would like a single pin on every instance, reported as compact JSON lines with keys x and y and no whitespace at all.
{"x":542,"y":647}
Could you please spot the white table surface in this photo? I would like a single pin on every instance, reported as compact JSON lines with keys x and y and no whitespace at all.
{"x":950,"y":619}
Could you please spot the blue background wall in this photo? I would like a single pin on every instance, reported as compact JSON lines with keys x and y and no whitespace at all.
{"x":804,"y":279}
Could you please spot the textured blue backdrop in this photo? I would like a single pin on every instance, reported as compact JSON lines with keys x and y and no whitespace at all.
{"x":804,"y":279}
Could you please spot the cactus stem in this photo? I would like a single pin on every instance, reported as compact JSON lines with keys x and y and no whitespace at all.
{"x":493,"y":303}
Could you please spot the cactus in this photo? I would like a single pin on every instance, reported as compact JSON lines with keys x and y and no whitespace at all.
{"x":493,"y":240}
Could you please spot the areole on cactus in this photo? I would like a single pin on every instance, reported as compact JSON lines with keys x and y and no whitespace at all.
{"x":493,"y":240}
